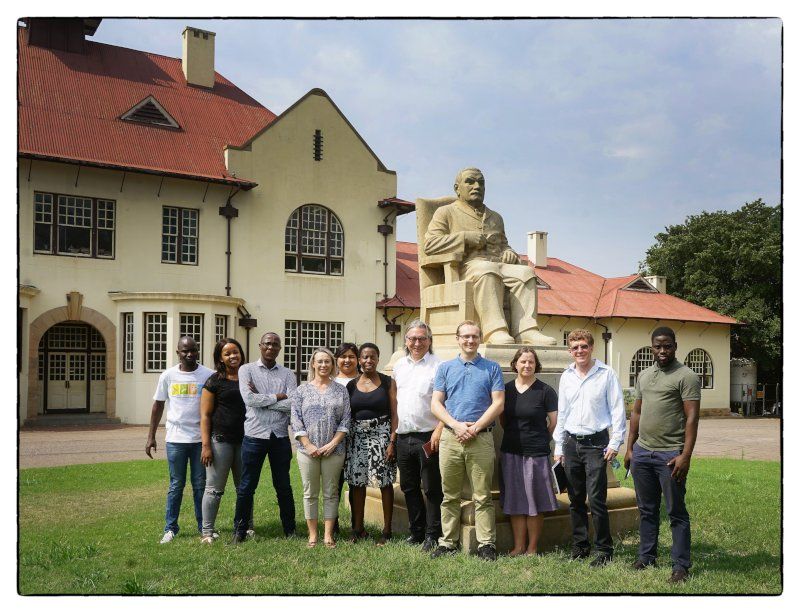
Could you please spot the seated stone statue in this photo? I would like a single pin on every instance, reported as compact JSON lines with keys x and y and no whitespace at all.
{"x":468,"y":226}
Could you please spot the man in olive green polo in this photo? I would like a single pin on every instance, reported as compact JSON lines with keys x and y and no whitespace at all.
{"x":661,"y":439}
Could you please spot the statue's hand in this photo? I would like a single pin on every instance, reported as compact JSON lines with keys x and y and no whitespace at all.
{"x":509,"y":257}
{"x":474,"y":240}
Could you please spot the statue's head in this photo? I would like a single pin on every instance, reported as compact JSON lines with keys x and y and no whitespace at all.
{"x":470,"y":186}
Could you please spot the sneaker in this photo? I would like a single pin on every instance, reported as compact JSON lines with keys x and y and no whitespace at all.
{"x":679,"y":575}
{"x":215,"y":535}
{"x":429,"y":544}
{"x":167,"y":538}
{"x":441,"y":550}
{"x":640,"y":565}
{"x":250,"y":534}
{"x":207,"y":540}
{"x":601,"y":560}
{"x":579,"y":554}
{"x":414,"y":540}
{"x":487,"y":552}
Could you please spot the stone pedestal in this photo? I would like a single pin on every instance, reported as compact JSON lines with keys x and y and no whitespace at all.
{"x":623,"y":513}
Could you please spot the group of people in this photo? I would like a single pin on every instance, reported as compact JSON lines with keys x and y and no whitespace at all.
{"x":432,"y":420}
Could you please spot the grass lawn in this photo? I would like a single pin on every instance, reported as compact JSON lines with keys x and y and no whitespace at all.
{"x":94,"y":529}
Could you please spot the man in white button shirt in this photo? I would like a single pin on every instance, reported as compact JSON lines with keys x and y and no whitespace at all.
{"x":590,"y":402}
{"x":416,"y":425}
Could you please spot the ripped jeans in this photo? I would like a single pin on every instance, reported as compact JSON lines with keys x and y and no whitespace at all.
{"x":227,"y":458}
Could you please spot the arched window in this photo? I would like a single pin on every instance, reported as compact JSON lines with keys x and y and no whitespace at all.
{"x":700,"y":362}
{"x":314,"y":241}
{"x":642,"y":359}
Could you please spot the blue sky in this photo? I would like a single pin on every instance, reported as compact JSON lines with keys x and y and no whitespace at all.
{"x":600,"y":132}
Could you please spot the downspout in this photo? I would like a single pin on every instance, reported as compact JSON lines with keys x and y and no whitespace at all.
{"x":228,"y":212}
{"x":386,"y":229}
{"x":248,"y":323}
{"x":606,"y":338}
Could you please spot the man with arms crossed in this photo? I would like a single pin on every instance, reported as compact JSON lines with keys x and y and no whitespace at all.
{"x":181,"y":386}
{"x":589,"y":402}
{"x":266,"y":387}
{"x":416,"y":425}
{"x":468,"y":395}
{"x":660,"y":444}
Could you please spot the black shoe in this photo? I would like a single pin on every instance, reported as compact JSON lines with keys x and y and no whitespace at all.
{"x":601,"y":560}
{"x":579,"y":554}
{"x":415,"y":540}
{"x":487,"y":552}
{"x":441,"y":550}
{"x":640,"y":565}
{"x":290,"y":534}
{"x":679,"y":575}
{"x":238,"y":538}
{"x":429,"y":544}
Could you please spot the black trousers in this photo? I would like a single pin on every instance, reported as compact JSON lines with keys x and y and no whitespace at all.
{"x":586,"y":472}
{"x":424,"y":520}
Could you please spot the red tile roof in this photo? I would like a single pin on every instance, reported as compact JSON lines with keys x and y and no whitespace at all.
{"x":573,"y":292}
{"x":69,"y":105}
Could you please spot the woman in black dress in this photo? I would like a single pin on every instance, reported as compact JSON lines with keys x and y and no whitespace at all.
{"x":371,"y":443}
{"x":526,"y":485}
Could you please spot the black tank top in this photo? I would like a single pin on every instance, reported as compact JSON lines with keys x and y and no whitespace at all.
{"x":370,"y":405}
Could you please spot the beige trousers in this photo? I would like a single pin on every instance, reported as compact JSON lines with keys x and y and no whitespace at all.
{"x":475,"y":462}
{"x":324,"y":469}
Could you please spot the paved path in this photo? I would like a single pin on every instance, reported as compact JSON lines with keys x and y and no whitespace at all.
{"x":749,"y":439}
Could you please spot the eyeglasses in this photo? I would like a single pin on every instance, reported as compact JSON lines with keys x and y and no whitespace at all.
{"x":417,"y":339}
{"x":576,"y":347}
{"x":469,"y":337}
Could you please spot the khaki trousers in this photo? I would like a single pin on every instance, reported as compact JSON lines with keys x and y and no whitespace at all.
{"x":475,"y":462}
{"x":312,"y":470}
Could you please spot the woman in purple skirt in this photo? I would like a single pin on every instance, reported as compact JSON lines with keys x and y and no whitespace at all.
{"x":526,"y":485}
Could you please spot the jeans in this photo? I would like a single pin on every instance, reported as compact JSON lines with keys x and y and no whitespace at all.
{"x":474,"y":461}
{"x":178,"y":455}
{"x":424,"y":520}
{"x":254,"y":452}
{"x":651,"y":478}
{"x":586,"y":473}
{"x":227,"y":458}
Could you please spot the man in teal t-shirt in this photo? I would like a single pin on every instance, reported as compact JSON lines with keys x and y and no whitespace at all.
{"x":661,"y":439}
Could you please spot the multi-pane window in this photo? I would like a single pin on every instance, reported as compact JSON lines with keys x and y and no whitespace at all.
{"x":155,"y":342}
{"x":566,"y":338}
{"x":127,"y":342}
{"x":73,"y":225}
{"x":302,"y":337}
{"x":191,"y":324}
{"x":97,"y":367}
{"x":179,"y":234}
{"x":700,"y":362}
{"x":642,"y":359}
{"x":220,"y":327}
{"x":314,"y":241}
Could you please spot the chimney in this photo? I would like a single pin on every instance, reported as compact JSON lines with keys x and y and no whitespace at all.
{"x":537,"y":248}
{"x":198,"y":57}
{"x":660,"y":283}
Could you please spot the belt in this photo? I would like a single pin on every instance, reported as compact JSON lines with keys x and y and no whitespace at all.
{"x":374,"y":421}
{"x":589,"y":438}
{"x":489,"y":429}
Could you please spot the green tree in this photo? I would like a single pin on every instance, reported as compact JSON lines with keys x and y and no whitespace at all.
{"x":730,"y":262}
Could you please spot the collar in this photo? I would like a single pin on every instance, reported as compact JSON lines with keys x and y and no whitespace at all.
{"x":474,"y":361}
{"x":598,"y":365}
{"x":466,"y":208}
{"x":264,"y":366}
{"x":669,"y":367}
{"x":424,"y":359}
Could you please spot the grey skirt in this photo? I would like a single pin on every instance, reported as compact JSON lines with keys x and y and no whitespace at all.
{"x":365,"y":465}
{"x":526,"y":485}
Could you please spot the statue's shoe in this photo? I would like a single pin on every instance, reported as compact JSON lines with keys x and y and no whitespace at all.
{"x":534,"y":337}
{"x":499,"y":337}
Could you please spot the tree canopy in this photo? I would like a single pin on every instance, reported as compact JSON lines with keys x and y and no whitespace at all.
{"x":730,"y":262}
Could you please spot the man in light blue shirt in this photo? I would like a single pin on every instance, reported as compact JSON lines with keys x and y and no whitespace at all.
{"x":590,"y":402}
{"x":468,"y":395}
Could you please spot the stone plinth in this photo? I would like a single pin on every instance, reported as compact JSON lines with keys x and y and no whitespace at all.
{"x":623,"y":513}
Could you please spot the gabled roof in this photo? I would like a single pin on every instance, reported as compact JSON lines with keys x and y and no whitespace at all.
{"x":574,"y":292}
{"x":70,"y":106}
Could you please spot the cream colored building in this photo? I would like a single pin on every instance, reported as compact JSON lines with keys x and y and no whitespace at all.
{"x":162,"y":207}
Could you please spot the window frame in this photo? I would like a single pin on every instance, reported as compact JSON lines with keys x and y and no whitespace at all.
{"x":293,"y":343}
{"x":224,"y":320}
{"x":707,"y":367}
{"x":640,"y":362}
{"x":180,"y":237}
{"x":146,"y":360}
{"x":128,"y":330}
{"x":334,"y":241}
{"x":183,"y":332}
{"x":93,"y":227}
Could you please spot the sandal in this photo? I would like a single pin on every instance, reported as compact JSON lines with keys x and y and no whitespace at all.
{"x":385,"y":537}
{"x":311,"y":544}
{"x":330,"y":544}
{"x":207,"y":540}
{"x":359,"y":536}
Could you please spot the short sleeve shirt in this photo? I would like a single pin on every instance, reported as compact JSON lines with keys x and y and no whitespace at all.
{"x":525,"y":415}
{"x":181,"y":391}
{"x":468,"y":386}
{"x":229,"y":410}
{"x":662,"y":423}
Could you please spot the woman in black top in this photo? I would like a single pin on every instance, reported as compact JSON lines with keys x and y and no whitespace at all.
{"x":222,"y":413}
{"x":371,"y":442}
{"x":526,"y":485}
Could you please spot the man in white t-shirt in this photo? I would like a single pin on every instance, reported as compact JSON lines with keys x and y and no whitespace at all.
{"x":181,"y":386}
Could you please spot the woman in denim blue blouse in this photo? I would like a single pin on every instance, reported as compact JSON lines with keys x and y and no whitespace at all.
{"x":320,"y":421}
